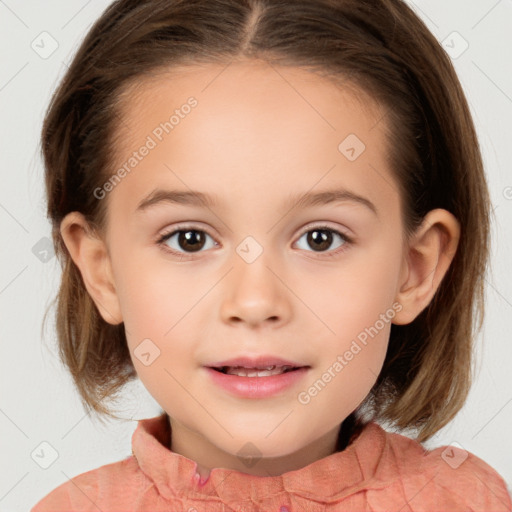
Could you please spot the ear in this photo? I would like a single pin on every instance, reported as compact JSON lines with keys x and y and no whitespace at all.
{"x":89,"y":253}
{"x":427,"y":257}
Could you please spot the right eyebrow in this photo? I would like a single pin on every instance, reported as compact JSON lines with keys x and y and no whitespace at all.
{"x":183,"y":197}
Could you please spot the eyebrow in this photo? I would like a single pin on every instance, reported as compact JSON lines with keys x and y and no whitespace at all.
{"x":195,"y":198}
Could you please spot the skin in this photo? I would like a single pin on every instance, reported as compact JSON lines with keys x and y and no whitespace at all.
{"x":257,"y":136}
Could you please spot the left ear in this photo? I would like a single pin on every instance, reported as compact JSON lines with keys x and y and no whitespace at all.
{"x":427,"y":257}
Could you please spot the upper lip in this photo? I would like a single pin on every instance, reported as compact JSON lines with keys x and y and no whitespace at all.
{"x":256,"y":362}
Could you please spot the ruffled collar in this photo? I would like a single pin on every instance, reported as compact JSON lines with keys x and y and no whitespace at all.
{"x":175,"y":475}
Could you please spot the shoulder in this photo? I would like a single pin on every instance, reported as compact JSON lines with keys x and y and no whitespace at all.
{"x":81,"y":493}
{"x":447,"y":477}
{"x":470,"y":479}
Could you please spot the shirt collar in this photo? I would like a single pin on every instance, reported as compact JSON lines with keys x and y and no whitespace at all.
{"x":176,"y":475}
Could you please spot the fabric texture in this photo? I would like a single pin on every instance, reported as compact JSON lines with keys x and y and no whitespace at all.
{"x":378,"y":471}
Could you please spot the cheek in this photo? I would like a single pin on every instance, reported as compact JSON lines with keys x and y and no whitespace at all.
{"x":348,"y":369}
{"x":158,"y":303}
{"x":354,"y":297}
{"x":157,"y":307}
{"x":153,"y":292}
{"x":356,"y":304}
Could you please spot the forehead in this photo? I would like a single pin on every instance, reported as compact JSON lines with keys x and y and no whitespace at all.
{"x":252,"y":125}
{"x":253,"y":84}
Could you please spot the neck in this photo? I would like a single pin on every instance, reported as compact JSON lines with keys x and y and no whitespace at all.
{"x":195,"y":447}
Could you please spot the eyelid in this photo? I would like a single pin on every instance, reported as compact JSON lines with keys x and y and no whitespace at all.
{"x":347,"y":233}
{"x":182,"y":227}
{"x":166,"y":234}
{"x":308,"y":227}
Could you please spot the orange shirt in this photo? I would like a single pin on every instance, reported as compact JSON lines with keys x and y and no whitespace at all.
{"x":378,"y":471}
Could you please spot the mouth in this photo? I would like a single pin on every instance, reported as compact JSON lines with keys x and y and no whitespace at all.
{"x":256,"y":366}
{"x":267,"y":371}
{"x":259,"y":378}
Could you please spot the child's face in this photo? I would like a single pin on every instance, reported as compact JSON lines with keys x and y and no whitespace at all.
{"x":258,"y":285}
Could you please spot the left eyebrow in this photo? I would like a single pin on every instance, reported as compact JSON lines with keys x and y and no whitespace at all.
{"x":196,"y":198}
{"x":330,"y":196}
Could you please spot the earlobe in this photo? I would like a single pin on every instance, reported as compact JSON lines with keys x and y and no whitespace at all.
{"x":89,"y":253}
{"x":426,"y":261}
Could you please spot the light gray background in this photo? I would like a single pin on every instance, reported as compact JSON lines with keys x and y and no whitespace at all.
{"x":38,"y":403}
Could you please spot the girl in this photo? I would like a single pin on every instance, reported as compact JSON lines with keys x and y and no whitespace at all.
{"x":275,"y":215}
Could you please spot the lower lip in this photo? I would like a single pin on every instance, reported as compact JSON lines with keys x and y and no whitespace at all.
{"x":257,"y":387}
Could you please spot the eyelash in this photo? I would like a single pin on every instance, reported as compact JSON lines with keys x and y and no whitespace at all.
{"x":188,"y":256}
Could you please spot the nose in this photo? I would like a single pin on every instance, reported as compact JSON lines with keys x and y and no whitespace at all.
{"x":255,"y":294}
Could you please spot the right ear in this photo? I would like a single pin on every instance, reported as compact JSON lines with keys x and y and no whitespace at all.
{"x":89,"y":253}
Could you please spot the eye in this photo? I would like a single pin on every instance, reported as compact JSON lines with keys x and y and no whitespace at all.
{"x":322,"y":237}
{"x":185,"y":240}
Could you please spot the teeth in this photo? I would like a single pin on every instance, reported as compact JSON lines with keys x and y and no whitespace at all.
{"x":256,"y":372}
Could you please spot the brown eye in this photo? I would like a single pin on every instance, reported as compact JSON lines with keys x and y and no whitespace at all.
{"x":185,"y":240}
{"x":191,"y":240}
{"x":320,"y":239}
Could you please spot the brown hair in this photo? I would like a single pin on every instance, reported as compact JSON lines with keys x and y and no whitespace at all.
{"x":379,"y":46}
